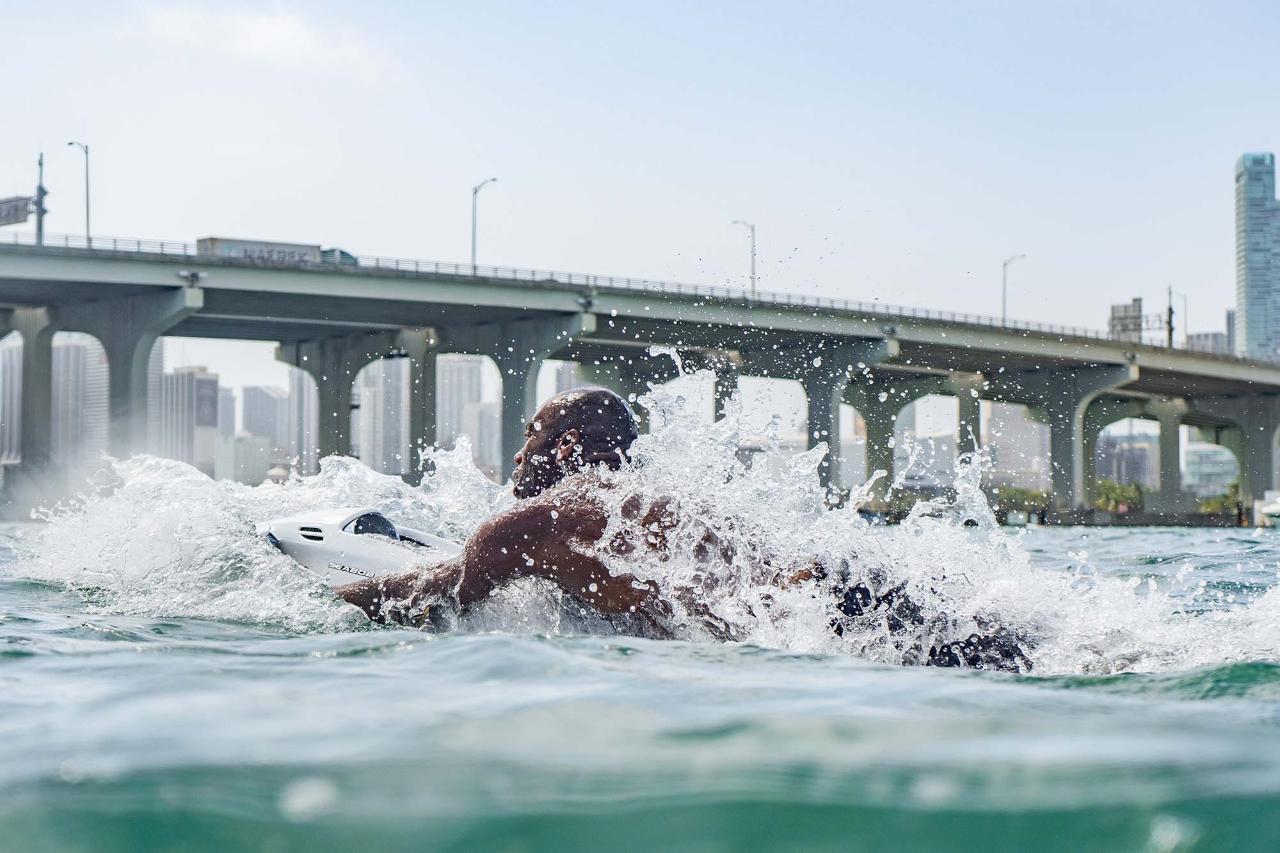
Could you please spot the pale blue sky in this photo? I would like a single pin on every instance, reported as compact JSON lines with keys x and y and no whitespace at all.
{"x":886,"y":151}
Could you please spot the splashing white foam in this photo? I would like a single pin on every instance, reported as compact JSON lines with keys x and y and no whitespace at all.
{"x":164,"y":540}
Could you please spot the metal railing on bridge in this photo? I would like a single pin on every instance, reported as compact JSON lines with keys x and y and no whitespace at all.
{"x":411,"y":266}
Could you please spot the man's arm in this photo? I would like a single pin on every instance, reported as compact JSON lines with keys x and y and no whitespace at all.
{"x":551,"y":536}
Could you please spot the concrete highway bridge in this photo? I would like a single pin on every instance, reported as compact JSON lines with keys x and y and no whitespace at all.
{"x":332,"y":319}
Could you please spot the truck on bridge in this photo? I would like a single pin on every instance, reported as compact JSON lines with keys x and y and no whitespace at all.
{"x":267,"y":252}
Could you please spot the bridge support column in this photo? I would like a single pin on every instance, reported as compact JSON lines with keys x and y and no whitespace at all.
{"x":1170,"y":499}
{"x":1064,"y":397}
{"x":629,"y":376}
{"x":334,"y":362}
{"x":825,"y":384}
{"x":37,"y":330}
{"x":1252,"y":439}
{"x":420,"y":346}
{"x":881,"y":418}
{"x":519,"y":347}
{"x":1098,"y":416}
{"x":127,"y":329}
{"x":329,"y":363}
{"x":727,"y":367}
{"x":968,"y":420}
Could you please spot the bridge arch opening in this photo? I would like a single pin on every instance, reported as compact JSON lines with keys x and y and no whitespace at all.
{"x":926,"y":442}
{"x":380,"y":416}
{"x":469,"y":403}
{"x":80,"y":392}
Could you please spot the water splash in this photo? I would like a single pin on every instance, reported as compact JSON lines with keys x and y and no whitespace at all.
{"x":161,"y":539}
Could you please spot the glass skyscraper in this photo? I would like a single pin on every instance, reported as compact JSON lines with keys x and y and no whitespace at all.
{"x":1257,"y":320}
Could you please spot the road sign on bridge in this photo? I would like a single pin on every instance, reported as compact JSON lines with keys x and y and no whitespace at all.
{"x":15,"y":209}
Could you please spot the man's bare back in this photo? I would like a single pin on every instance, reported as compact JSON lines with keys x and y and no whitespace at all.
{"x":555,"y":533}
{"x":554,"y":536}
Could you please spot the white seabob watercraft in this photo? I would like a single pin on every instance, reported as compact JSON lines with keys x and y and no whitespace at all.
{"x":353,"y":543}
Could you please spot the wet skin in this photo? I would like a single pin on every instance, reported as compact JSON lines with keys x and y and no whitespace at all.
{"x":555,"y":534}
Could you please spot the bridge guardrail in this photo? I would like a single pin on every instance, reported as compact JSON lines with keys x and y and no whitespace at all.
{"x":412,"y":266}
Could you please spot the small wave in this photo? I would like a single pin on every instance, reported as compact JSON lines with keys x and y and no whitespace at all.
{"x":161,"y":539}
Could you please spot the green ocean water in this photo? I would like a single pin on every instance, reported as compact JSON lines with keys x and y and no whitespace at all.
{"x":126,"y":731}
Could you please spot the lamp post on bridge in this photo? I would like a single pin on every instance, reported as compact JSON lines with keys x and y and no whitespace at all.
{"x":1186,"y":319}
{"x":88,"y":238}
{"x":750,"y":226}
{"x":1004,"y":287}
{"x":475,"y":192}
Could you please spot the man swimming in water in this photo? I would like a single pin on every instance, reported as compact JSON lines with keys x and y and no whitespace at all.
{"x":555,"y":533}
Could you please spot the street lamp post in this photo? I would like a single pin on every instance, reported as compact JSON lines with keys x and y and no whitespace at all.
{"x":475,"y":192}
{"x":752,"y":229}
{"x":1004,"y":288}
{"x":1186,"y":319}
{"x":88,"y":238}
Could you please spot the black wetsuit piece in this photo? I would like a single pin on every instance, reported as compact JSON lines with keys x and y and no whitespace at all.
{"x":1000,"y":650}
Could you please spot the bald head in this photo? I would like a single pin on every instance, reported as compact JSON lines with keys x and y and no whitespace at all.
{"x":574,"y":429}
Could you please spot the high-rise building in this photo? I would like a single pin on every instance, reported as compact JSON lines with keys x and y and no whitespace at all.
{"x":1125,"y":323}
{"x":481,"y":423}
{"x":380,"y":426}
{"x":1257,"y":257}
{"x":244,"y":458}
{"x":155,"y":379}
{"x":266,"y":414}
{"x":78,"y":414}
{"x":189,"y":417}
{"x":1231,"y":330}
{"x":459,"y":385}
{"x":566,"y":377}
{"x":1208,"y":342}
{"x":1132,"y":459}
{"x":1210,"y":469}
{"x":80,"y":403}
{"x":226,"y":412}
{"x":304,"y":408}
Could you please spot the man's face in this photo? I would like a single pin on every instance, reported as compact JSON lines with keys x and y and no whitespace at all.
{"x":540,"y":463}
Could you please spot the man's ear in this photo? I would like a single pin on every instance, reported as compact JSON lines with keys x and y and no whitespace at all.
{"x":568,"y":444}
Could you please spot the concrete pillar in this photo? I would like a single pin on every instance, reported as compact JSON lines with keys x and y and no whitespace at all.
{"x":630,"y":375}
{"x":1257,"y":456}
{"x":825,"y":374}
{"x":1169,"y":413}
{"x":726,"y":386}
{"x":1098,"y":416}
{"x":824,"y":391}
{"x":727,"y":367}
{"x":967,"y":391}
{"x":37,"y":330}
{"x":1251,"y":437}
{"x":128,"y":328}
{"x":422,"y":410}
{"x":880,"y":421}
{"x":334,"y":362}
{"x":420,"y":346}
{"x":325,"y":360}
{"x":880,"y":416}
{"x":519,"y":348}
{"x":1064,"y":396}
